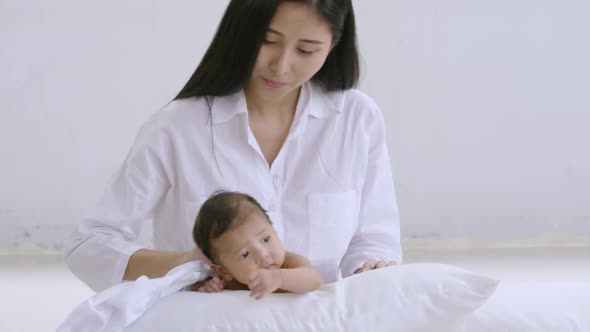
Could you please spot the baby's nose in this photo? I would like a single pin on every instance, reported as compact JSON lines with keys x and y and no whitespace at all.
{"x":263,"y":259}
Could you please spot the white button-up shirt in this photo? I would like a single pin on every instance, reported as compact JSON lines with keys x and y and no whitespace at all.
{"x":329,"y":192}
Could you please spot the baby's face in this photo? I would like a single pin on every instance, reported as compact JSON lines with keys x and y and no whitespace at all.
{"x":251,"y":245}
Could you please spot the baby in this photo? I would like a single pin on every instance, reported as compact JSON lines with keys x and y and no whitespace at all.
{"x":235,"y":233}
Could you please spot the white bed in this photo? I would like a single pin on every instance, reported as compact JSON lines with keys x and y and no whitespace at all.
{"x":524,"y":307}
{"x":415,"y":297}
{"x":411,"y":298}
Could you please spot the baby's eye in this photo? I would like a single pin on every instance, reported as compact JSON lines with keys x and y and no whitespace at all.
{"x":246,"y":254}
{"x":266,"y":239}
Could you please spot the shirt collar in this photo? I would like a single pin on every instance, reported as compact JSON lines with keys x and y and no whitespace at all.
{"x":312,"y":100}
{"x":226,"y":107}
{"x":322,"y":104}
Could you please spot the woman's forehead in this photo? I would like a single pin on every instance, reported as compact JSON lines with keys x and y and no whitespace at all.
{"x":295,"y":19}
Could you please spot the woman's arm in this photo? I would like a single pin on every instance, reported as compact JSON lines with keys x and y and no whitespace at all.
{"x":100,"y":249}
{"x":105,"y":242}
{"x":153,"y":263}
{"x":377,"y":237}
{"x":156,"y":263}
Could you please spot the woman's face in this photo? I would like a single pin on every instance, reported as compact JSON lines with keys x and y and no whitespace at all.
{"x":296,"y":46}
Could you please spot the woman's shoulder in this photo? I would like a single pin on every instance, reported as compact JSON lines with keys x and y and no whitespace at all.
{"x":192,"y":110}
{"x":349,"y":106}
{"x":174,"y":119}
{"x":351,"y":101}
{"x":358,"y":100}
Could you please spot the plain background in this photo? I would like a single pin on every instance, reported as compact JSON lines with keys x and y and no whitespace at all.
{"x":487,"y":107}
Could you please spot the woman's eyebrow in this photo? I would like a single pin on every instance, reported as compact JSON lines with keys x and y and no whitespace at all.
{"x":311,"y":41}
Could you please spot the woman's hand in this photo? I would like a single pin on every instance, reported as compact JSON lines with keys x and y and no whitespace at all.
{"x":209,"y":285}
{"x":194,"y":255}
{"x":372,"y":264}
{"x":216,"y":284}
{"x":263,"y":282}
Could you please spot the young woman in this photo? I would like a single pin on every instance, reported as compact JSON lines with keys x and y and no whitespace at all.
{"x":270,"y":111}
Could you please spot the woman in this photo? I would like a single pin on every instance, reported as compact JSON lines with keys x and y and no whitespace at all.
{"x":270,"y":111}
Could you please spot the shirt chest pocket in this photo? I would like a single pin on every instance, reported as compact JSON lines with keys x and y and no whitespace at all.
{"x":332,"y":221}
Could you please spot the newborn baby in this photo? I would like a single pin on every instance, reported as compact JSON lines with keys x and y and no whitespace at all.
{"x":237,"y":236}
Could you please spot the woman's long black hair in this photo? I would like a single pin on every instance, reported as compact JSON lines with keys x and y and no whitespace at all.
{"x":229,"y":61}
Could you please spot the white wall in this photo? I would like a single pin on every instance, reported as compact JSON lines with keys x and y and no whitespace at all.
{"x":487,"y":106}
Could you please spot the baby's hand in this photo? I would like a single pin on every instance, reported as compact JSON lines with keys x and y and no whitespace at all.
{"x":263,"y":282}
{"x":214,"y":285}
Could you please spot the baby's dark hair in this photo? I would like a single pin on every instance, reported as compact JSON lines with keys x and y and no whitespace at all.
{"x":217,"y":215}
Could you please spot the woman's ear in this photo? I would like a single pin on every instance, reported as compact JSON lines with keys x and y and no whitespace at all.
{"x":221,"y":271}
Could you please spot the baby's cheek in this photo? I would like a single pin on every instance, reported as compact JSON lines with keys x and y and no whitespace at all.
{"x":279,"y":257}
{"x":243,"y":273}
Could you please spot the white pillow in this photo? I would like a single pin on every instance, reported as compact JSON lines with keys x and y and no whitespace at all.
{"x":534,"y":307}
{"x":413,"y":297}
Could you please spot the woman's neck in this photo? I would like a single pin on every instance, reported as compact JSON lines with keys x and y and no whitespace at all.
{"x":281,"y":106}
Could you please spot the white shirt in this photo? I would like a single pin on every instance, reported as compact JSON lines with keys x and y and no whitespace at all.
{"x":329,"y":192}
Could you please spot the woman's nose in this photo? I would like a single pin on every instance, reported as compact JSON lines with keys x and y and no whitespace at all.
{"x":281,"y":63}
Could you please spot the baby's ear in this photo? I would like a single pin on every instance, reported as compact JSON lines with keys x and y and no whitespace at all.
{"x":221,"y":271}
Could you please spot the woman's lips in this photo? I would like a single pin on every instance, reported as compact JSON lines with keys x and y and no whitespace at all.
{"x":273,"y":84}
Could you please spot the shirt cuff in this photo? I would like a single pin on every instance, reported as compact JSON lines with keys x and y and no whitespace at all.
{"x":353,"y":262}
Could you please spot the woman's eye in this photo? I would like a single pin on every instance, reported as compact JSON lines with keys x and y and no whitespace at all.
{"x":305,"y":52}
{"x":245,"y":255}
{"x":266,"y":41}
{"x":266,"y":239}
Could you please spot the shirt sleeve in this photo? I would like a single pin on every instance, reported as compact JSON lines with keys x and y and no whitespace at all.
{"x":98,"y":250}
{"x":378,"y":233}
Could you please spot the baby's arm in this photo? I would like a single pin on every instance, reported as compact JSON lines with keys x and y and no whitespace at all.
{"x":297,"y":275}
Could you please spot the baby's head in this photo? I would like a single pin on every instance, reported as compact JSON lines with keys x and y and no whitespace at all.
{"x":235,"y":233}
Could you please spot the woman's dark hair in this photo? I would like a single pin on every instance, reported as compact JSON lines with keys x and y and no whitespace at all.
{"x":217,"y":215}
{"x":230,"y":59}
